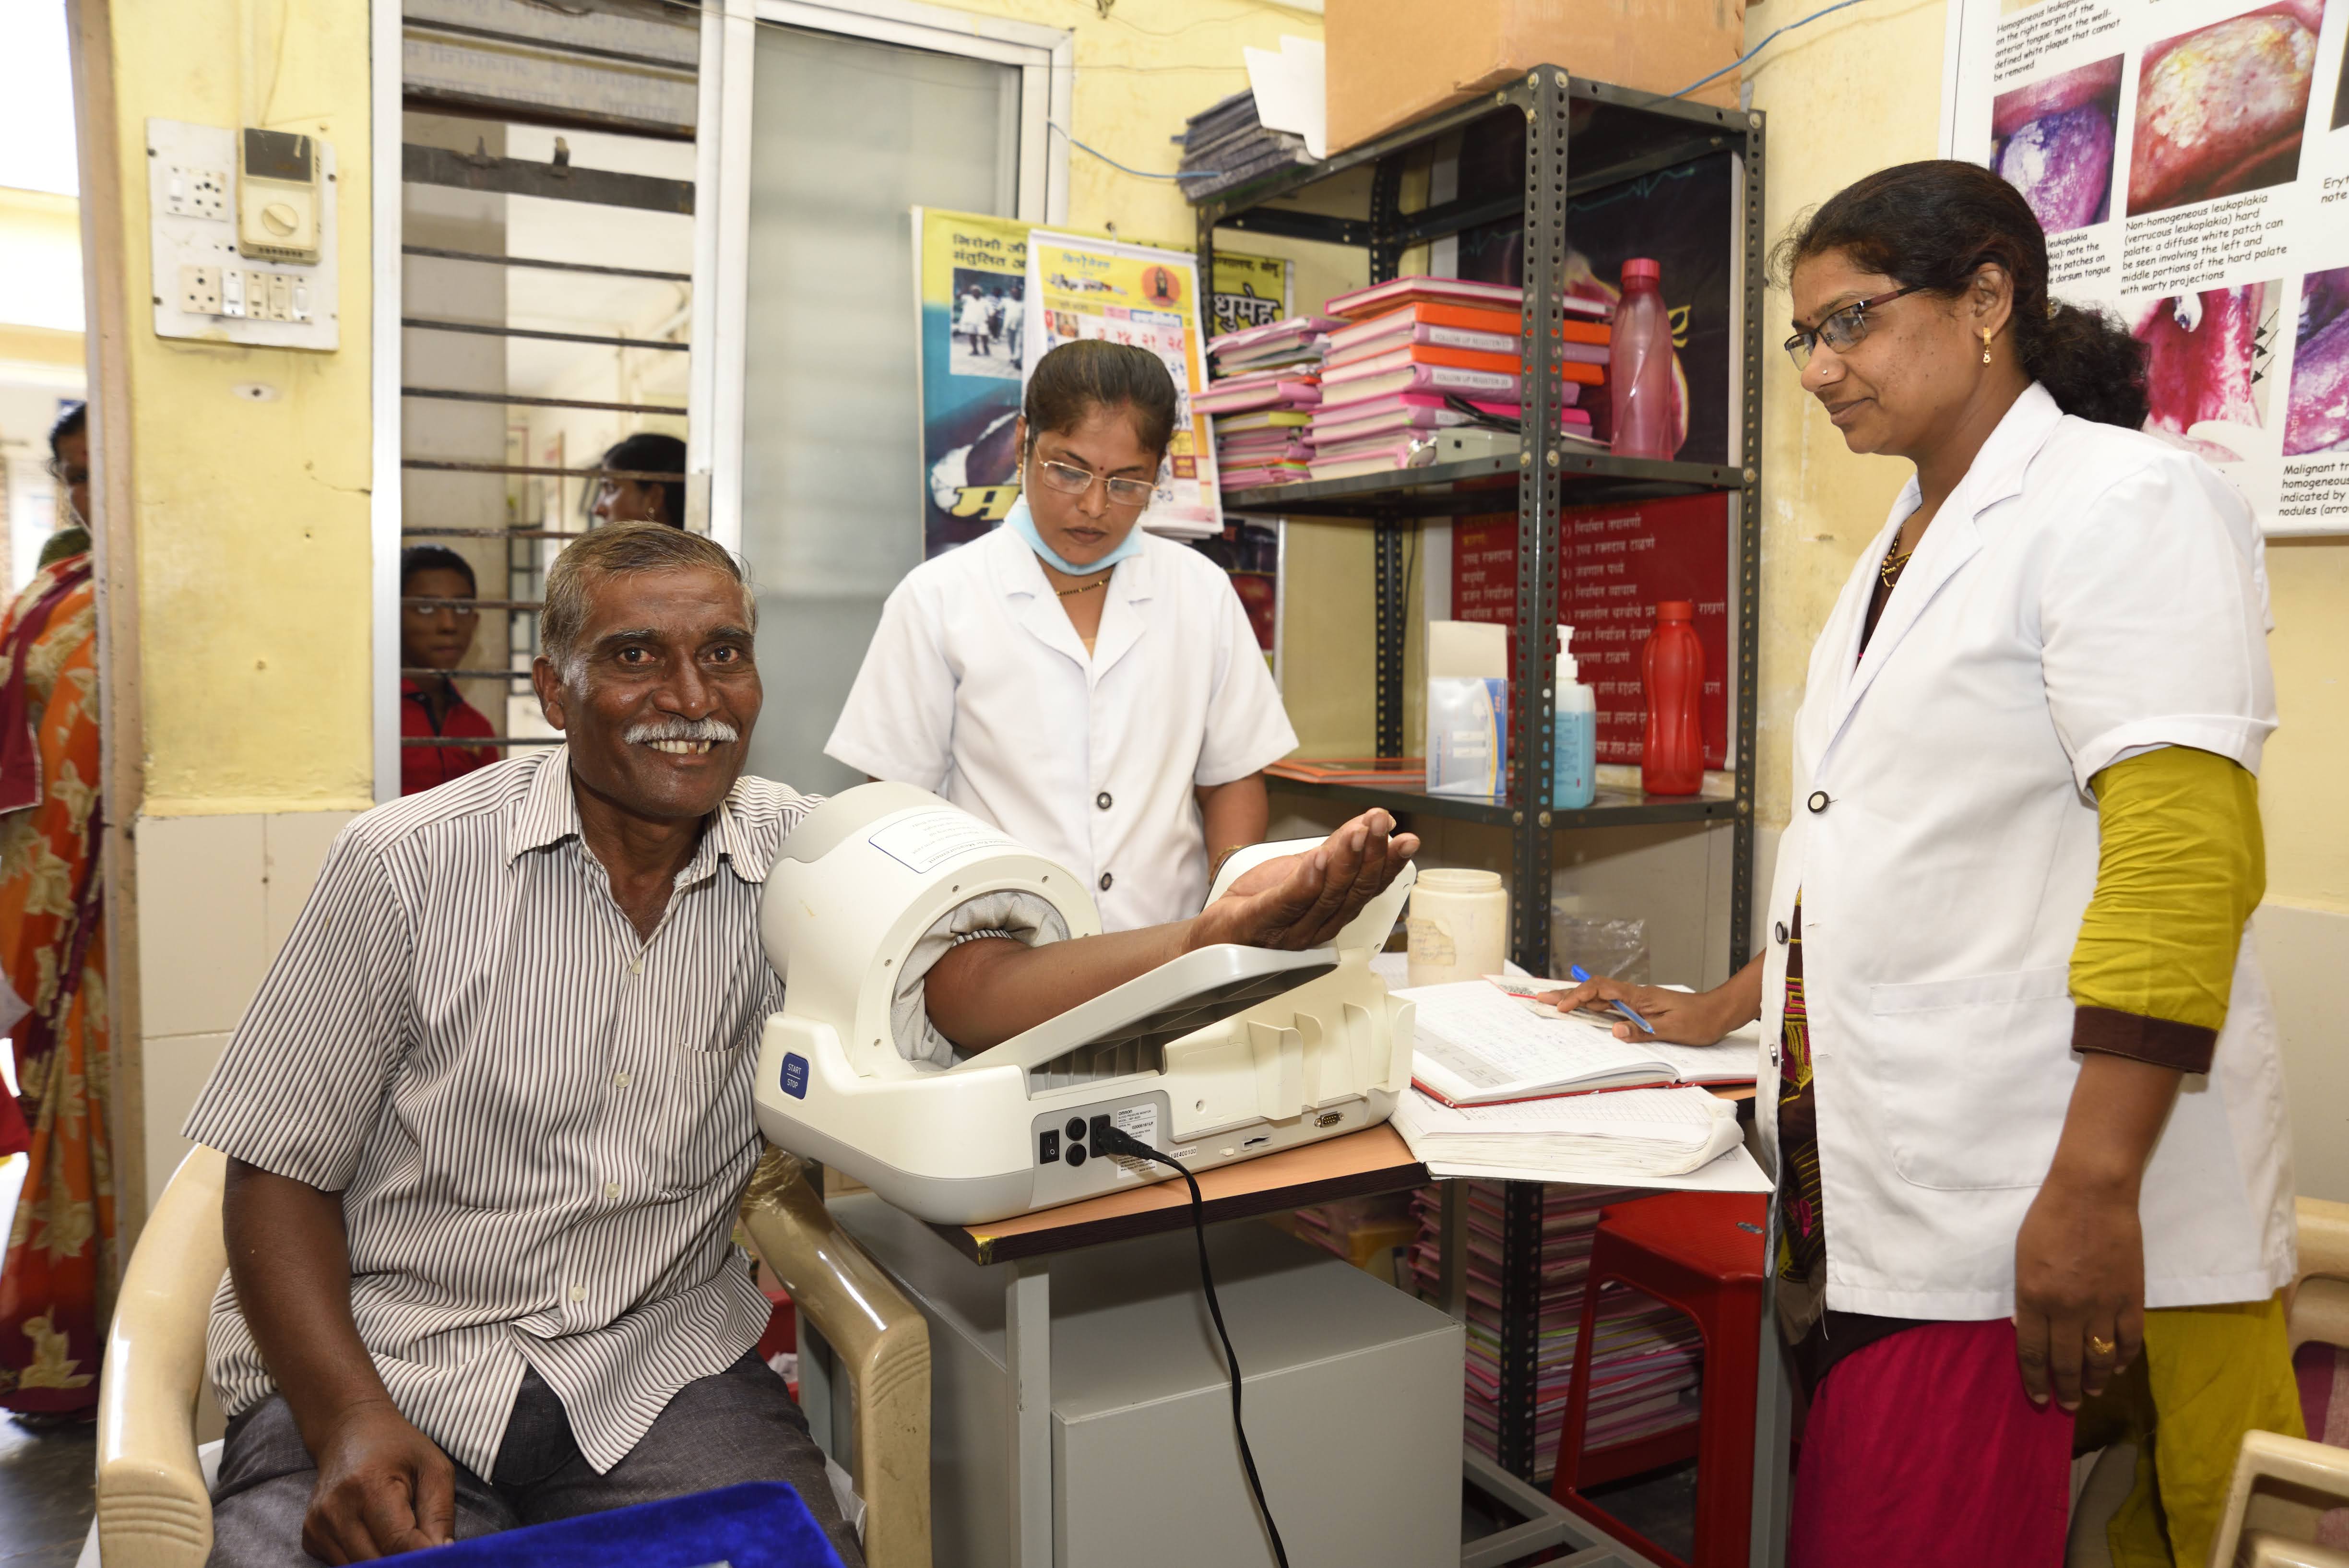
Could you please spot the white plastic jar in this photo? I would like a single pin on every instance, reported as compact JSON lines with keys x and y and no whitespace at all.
{"x":1458,"y":926}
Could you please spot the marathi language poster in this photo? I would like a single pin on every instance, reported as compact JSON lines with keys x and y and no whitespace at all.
{"x":1250,"y":291}
{"x":2189,"y":162}
{"x":972,"y":281}
{"x":1080,"y":288}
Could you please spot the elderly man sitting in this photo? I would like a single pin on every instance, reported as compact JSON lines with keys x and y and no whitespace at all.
{"x":489,"y":1116}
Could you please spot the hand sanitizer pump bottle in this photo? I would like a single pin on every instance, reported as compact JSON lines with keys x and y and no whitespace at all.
{"x":1574,"y":757}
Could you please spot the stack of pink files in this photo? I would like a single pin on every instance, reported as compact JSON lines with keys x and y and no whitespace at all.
{"x":1419,"y":354}
{"x":1268,"y":379}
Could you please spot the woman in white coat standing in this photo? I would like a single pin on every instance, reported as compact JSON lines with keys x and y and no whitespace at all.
{"x":2023,"y":1085}
{"x":1092,"y":689}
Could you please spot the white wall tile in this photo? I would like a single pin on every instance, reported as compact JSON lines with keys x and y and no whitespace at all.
{"x":176,"y":1068}
{"x":202,"y":942}
{"x":295,"y":842}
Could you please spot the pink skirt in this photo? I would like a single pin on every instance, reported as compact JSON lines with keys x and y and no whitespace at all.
{"x":1923,"y":1450}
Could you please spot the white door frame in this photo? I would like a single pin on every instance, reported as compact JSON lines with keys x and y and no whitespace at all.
{"x":1046,"y":58}
{"x":385,"y":175}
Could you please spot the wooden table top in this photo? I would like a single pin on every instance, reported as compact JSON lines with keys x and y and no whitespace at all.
{"x":1355,"y":1165}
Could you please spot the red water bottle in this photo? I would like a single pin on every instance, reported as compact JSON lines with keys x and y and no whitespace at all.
{"x":1672,"y":673}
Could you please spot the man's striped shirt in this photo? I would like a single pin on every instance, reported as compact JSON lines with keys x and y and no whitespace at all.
{"x":540,"y":1124}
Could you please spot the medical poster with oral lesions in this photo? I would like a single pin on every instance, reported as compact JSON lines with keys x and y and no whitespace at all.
{"x":970,"y":278}
{"x":2189,"y":162}
{"x":1080,"y":288}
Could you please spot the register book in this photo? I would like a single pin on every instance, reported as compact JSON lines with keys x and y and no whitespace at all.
{"x":1477,"y":1045}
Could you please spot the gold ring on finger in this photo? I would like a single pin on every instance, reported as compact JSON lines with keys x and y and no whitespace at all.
{"x":2100,"y":1347}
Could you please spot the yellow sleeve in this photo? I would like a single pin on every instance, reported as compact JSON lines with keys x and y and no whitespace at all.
{"x":2182,"y":866}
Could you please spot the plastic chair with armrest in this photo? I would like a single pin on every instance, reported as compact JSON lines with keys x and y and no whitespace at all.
{"x":2300,"y":1477}
{"x":881,"y":1340}
{"x":154,"y":1510}
{"x":153,"y":1507}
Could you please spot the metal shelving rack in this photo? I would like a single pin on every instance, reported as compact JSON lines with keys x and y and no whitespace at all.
{"x":1580,"y":136}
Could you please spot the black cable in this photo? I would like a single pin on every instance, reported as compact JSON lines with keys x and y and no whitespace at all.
{"x":1478,"y":417}
{"x":1117,"y":1140}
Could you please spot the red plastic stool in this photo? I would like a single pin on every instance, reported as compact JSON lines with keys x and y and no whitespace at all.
{"x":1701,"y":1254}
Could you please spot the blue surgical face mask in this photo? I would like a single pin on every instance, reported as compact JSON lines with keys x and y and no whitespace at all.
{"x":1023,"y":523}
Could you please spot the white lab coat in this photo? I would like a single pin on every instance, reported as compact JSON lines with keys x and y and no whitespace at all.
{"x":978,"y":686}
{"x":2085,"y":594}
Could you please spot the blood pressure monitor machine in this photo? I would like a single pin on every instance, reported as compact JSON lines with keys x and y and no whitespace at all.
{"x":1222,"y":1055}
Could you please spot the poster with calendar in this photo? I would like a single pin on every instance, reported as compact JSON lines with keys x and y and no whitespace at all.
{"x":1079,"y":287}
{"x":2189,"y":162}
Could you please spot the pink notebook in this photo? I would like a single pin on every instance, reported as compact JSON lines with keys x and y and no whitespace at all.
{"x":1401,"y":291}
{"x":1378,"y":459}
{"x":1265,"y":394}
{"x":1420,"y":379}
{"x":1296,"y":329}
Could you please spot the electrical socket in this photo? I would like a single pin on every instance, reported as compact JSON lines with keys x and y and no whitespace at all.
{"x":199,"y":290}
{"x":195,"y":192}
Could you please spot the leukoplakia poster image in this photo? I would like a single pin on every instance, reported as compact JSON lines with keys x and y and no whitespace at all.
{"x":2054,"y":139}
{"x":2220,"y":109}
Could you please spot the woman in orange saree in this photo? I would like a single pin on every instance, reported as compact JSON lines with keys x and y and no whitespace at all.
{"x":57,"y":1277}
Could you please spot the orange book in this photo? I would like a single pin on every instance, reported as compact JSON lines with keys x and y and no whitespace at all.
{"x":1397,"y":325}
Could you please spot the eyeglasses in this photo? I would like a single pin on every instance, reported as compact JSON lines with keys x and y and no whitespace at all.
{"x":1842,"y":330}
{"x":1071,"y":481}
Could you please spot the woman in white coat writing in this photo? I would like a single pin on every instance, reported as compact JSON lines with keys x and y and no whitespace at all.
{"x":1092,"y":689}
{"x":2022,"y":1085}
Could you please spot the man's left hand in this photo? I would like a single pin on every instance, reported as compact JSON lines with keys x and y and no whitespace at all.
{"x":1304,"y":900}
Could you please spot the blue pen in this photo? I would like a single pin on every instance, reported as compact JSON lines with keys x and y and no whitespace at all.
{"x":1583,"y":977}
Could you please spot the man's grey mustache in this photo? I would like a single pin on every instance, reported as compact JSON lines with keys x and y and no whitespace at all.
{"x":716,"y":730}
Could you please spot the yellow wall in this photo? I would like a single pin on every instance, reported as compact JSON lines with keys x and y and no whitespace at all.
{"x":1877,"y":65}
{"x":251,"y":516}
{"x":2305,"y":780}
{"x":1141,"y":71}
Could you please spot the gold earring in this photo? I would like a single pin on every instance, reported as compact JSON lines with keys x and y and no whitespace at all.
{"x":1985,"y":345}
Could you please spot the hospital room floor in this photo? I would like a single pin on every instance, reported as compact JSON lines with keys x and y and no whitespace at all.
{"x":1660,"y":1505}
{"x":47,"y":1493}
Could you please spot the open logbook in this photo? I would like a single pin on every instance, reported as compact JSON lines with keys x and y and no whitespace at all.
{"x":1478,"y":1045}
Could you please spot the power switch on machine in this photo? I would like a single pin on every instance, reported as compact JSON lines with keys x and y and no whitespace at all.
{"x":1048,"y":1147}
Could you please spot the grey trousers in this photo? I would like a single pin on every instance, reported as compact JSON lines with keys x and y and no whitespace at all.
{"x":738,"y":1426}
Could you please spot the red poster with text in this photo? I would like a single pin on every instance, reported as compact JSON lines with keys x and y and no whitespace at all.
{"x":1619,"y":561}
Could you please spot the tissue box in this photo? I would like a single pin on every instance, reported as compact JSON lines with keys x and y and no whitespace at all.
{"x":1392,"y":61}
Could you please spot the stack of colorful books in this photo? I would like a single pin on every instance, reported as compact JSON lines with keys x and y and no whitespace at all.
{"x":1645,"y":1373}
{"x":1419,"y":354}
{"x":1267,"y":381}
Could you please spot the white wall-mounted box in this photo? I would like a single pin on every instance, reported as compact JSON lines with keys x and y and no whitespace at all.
{"x":203,"y":287}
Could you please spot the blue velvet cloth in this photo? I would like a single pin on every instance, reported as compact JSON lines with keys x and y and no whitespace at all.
{"x":758,"y":1524}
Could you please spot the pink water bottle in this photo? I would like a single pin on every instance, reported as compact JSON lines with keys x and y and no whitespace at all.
{"x":1672,"y":675}
{"x":1640,"y":366}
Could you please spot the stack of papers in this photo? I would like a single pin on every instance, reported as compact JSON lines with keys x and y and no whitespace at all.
{"x":1228,"y":144}
{"x":1635,"y":1136}
{"x":1501,"y":1092}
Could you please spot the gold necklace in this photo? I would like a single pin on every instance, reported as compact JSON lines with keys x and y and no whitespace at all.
{"x":1890,"y":572}
{"x":1101,"y":582}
